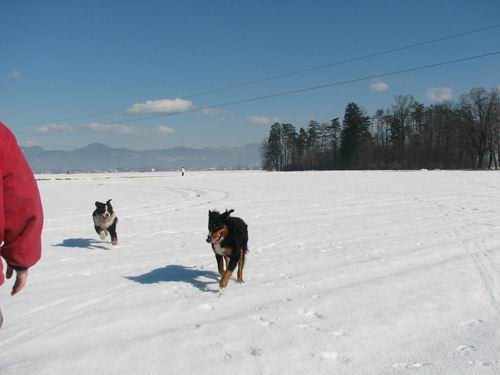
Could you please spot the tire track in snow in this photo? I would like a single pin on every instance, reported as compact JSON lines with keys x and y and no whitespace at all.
{"x":177,"y":200}
{"x":77,"y":311}
{"x":488,"y":275}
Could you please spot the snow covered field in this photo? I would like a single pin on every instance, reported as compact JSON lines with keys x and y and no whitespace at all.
{"x":348,"y":273}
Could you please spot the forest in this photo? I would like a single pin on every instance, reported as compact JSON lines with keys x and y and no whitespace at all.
{"x":464,"y":134}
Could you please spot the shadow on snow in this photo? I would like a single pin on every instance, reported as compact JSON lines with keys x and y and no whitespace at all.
{"x":179,"y":273}
{"x":83,"y":243}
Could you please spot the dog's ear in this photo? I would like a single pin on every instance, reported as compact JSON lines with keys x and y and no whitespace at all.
{"x":226,"y":214}
{"x":109,"y":200}
{"x":97,"y":203}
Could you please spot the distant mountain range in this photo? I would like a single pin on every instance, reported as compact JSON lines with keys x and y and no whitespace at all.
{"x":99,"y":157}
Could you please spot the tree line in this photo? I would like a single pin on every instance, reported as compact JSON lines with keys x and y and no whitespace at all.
{"x":409,"y":135}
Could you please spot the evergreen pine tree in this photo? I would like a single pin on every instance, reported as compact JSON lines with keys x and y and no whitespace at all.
{"x":354,"y":135}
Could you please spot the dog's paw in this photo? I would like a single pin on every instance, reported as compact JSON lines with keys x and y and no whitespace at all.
{"x":240,"y":281}
{"x":114,"y":241}
{"x":223,"y":283}
{"x":102,"y":235}
{"x":225,"y":279}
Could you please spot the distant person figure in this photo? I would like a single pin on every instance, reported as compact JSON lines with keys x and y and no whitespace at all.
{"x":183,"y":171}
{"x":21,"y":214}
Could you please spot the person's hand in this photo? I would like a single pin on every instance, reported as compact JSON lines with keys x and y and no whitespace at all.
{"x":21,"y":277}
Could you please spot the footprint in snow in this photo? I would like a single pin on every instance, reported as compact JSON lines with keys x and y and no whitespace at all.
{"x":270,"y":283}
{"x":307,"y":327}
{"x":84,"y":273}
{"x":332,"y":356}
{"x":478,"y":363}
{"x":310,"y":327}
{"x":256,"y":352}
{"x":263,"y":321}
{"x":471,"y":322}
{"x":462,"y":350}
{"x":336,"y":333}
{"x":409,"y":365}
{"x":311,"y":314}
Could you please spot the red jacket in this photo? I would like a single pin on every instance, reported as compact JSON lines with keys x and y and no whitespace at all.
{"x":21,"y":215}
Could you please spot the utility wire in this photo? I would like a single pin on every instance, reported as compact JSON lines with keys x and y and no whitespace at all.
{"x":340,"y":62}
{"x":289,"y":74}
{"x":337,"y":83}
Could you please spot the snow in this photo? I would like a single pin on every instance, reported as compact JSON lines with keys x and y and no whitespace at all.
{"x":348,"y":273}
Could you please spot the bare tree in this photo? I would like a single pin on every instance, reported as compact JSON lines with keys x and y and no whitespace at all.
{"x":477,"y":108}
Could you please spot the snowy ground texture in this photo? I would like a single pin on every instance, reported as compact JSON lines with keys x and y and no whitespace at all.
{"x":348,"y":273}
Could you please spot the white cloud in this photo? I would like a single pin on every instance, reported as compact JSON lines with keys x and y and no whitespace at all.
{"x":211,"y":111}
{"x":28,"y":143}
{"x":263,"y":120}
{"x":164,"y":130}
{"x":15,"y":74}
{"x":161,"y":106}
{"x":378,"y":86}
{"x":129,"y":130}
{"x":53,"y":128}
{"x":112,"y":128}
{"x":439,"y":94}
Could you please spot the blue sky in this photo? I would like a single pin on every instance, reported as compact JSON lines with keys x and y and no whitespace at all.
{"x":64,"y":59}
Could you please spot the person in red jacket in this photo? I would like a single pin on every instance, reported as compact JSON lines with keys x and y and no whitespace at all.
{"x":21,"y":214}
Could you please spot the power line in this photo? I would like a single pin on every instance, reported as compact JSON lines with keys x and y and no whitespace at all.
{"x":289,"y":74}
{"x":353,"y":59}
{"x":337,"y":83}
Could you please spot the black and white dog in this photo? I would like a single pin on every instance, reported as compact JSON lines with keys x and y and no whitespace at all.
{"x":105,"y":221}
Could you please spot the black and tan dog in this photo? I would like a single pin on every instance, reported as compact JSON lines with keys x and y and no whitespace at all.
{"x":229,"y":239}
{"x":105,"y":221}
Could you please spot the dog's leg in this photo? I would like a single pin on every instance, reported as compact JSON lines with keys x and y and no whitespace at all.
{"x":220,"y":263}
{"x":112,"y":232}
{"x":101,"y":232}
{"x":227,"y":259}
{"x":233,"y":261}
{"x":241,"y":263}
